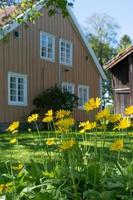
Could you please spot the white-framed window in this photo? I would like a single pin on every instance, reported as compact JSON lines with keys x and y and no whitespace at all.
{"x":83,"y":95}
{"x":69,"y":87}
{"x":66,"y":52}
{"x":47,"y":46}
{"x":17,"y":89}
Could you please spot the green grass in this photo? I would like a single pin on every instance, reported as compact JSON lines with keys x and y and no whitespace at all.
{"x":27,"y":145}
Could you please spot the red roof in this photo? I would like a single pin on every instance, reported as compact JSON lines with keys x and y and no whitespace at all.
{"x":111,"y":63}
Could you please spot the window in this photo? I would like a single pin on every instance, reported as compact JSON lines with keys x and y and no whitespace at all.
{"x":83,"y":95}
{"x":65,"y":52}
{"x":47,"y":46}
{"x":17,"y":89}
{"x":69,"y":87}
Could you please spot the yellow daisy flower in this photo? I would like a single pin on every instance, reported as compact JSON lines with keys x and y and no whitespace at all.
{"x":48,"y":116}
{"x":50,"y":141}
{"x":67,"y":122}
{"x":129,"y":110}
{"x":115,"y":118}
{"x":92,"y":104}
{"x":123,"y":124}
{"x":62,"y":113}
{"x":13,"y":127}
{"x":49,"y":113}
{"x":104,"y":114}
{"x":117,"y":145}
{"x":67,"y":144}
{"x":87,"y":126}
{"x":33,"y":118}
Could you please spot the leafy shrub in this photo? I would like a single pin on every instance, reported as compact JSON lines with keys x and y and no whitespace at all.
{"x":53,"y":98}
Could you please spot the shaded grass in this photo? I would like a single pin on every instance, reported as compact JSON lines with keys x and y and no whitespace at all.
{"x":28,"y":147}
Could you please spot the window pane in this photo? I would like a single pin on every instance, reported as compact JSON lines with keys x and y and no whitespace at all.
{"x":47,"y":47}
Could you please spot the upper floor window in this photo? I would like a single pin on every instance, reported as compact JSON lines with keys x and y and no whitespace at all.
{"x":47,"y":46}
{"x":69,"y":87}
{"x":83,"y":95}
{"x":65,"y":52}
{"x":17,"y":89}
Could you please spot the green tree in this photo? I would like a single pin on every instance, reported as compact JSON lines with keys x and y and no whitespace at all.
{"x":102,"y":36}
{"x":124,"y":43}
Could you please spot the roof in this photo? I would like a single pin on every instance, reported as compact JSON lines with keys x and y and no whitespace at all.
{"x":12,"y":25}
{"x":111,"y":63}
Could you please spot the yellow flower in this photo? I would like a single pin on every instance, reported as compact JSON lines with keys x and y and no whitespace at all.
{"x":92,"y":104}
{"x":62,"y":113}
{"x":115,"y":118}
{"x":47,"y":119}
{"x":49,"y":116}
{"x":13,"y":141}
{"x":49,"y":113}
{"x":19,"y":167}
{"x":87,"y":126}
{"x":67,"y":144}
{"x":129,"y":110}
{"x":13,"y":127}
{"x":123,"y":124}
{"x":104,"y":114}
{"x":65,"y":123}
{"x":50,"y":141}
{"x":5,"y":188}
{"x":33,"y":118}
{"x":117,"y":145}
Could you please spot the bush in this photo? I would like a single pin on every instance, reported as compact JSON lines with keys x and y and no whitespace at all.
{"x":53,"y":98}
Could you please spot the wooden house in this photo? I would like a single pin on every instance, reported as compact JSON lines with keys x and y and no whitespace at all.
{"x":51,"y":51}
{"x":121,"y":68}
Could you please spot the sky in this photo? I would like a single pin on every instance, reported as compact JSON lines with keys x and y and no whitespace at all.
{"x":120,"y":10}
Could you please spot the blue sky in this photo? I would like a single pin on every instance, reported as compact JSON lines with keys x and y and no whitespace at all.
{"x":120,"y":10}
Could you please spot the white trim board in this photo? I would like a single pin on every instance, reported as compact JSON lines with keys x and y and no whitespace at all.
{"x":38,"y":6}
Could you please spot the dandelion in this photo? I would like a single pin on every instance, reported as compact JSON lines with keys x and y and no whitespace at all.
{"x":62,"y":113}
{"x":129,"y":110}
{"x":123,"y":124}
{"x":33,"y":118}
{"x":92,"y":104}
{"x":104,"y":114}
{"x":115,"y":118}
{"x":13,"y":141}
{"x":48,"y":116}
{"x":13,"y":127}
{"x":50,"y":141}
{"x":67,"y":144}
{"x":87,"y":126}
{"x":117,"y":145}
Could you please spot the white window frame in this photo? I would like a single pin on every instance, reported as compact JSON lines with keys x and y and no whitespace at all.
{"x":71,"y":52}
{"x":67,"y":84}
{"x":83,"y":87}
{"x":17,"y":103}
{"x":53,"y":46}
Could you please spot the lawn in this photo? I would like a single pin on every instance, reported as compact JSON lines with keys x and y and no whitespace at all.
{"x":64,"y":164}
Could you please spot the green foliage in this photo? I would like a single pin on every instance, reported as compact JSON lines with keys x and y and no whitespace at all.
{"x":125,"y":42}
{"x":53,"y":98}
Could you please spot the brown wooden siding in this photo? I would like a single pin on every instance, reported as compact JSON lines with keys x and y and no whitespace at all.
{"x":22,"y":55}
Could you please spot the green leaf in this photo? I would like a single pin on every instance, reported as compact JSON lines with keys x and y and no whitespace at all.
{"x":108,"y":195}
